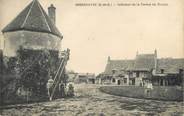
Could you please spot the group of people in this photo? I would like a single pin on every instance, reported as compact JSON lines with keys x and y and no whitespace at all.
{"x":65,"y":90}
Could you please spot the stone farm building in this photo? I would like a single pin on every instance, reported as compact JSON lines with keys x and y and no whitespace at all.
{"x":88,"y":78}
{"x":32,"y":29}
{"x":145,"y":68}
{"x":32,"y":43}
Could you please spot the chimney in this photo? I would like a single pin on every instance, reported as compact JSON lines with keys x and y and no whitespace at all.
{"x":109,"y":58}
{"x":52,"y":13}
{"x":155,"y":53}
{"x":137,"y":53}
{"x":180,"y":71}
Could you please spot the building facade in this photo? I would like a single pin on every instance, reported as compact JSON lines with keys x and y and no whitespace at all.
{"x":88,"y":78}
{"x":144,"y":69}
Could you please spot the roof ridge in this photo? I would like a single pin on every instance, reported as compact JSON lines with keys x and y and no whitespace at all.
{"x":123,"y":60}
{"x":33,"y":18}
{"x":44,"y":16}
{"x":170,"y":58}
{"x":144,"y":54}
{"x":28,"y":14}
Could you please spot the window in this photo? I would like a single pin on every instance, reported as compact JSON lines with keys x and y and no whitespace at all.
{"x":180,"y":71}
{"x":125,"y":80}
{"x":162,"y":71}
{"x":137,"y":74}
{"x":113,"y":71}
{"x":113,"y":80}
{"x":119,"y":82}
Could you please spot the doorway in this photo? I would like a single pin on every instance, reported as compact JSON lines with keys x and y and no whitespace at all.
{"x":133,"y":81}
{"x":119,"y":82}
{"x":113,"y":80}
{"x":93,"y":81}
{"x":161,"y":82}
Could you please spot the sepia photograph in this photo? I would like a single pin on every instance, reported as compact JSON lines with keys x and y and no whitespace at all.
{"x":91,"y":58}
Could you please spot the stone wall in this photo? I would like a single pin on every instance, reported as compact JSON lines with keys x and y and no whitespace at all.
{"x":29,"y":40}
{"x":158,"y":93}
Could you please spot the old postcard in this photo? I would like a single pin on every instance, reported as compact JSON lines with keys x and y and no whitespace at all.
{"x":91,"y":57}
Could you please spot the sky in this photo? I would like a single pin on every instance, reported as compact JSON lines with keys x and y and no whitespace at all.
{"x":93,"y":33}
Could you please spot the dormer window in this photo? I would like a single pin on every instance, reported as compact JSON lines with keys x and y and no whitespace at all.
{"x":180,"y":71}
{"x":162,"y":71}
{"x":113,"y":71}
{"x":122,"y":71}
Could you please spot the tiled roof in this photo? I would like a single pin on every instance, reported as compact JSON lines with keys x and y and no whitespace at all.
{"x":144,"y":61}
{"x":118,"y":65}
{"x":170,"y":65}
{"x":33,"y":18}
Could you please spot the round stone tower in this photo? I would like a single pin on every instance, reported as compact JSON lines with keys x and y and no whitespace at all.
{"x":32,"y":29}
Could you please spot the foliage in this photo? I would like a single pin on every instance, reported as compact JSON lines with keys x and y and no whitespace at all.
{"x":9,"y":64}
{"x":31,"y":69}
{"x":35,"y":67}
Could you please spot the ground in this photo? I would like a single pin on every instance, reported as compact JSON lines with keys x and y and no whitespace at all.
{"x":89,"y":101}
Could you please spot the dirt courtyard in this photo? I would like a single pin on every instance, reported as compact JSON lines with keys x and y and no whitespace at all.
{"x":89,"y":101}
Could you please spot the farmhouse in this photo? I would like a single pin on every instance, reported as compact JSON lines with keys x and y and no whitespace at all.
{"x":144,"y":69}
{"x":85,"y":78}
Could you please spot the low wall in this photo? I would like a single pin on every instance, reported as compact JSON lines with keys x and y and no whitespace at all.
{"x":157,"y":93}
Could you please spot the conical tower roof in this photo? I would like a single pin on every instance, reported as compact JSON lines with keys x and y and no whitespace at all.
{"x":33,"y":18}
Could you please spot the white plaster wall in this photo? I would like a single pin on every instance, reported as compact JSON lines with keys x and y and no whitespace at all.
{"x":141,"y":74}
{"x":134,"y":74}
{"x":138,"y":81}
{"x":30,"y":40}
